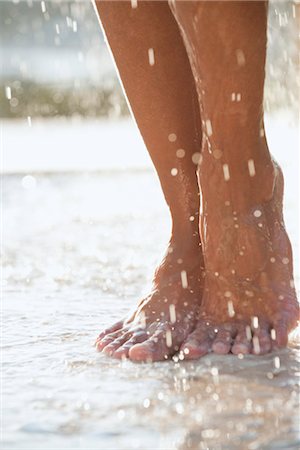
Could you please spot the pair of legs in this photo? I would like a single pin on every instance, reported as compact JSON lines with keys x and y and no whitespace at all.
{"x":193,"y":72}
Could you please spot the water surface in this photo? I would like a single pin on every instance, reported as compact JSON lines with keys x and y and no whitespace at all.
{"x":79,"y":250}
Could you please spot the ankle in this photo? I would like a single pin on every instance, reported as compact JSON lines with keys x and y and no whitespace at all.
{"x":239,"y":182}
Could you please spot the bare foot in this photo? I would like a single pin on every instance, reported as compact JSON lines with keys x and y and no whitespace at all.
{"x":163,"y":320}
{"x":249,"y":303}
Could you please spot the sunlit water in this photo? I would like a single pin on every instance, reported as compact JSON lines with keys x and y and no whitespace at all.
{"x":79,"y":251}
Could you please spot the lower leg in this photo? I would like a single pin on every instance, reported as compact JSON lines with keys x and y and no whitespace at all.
{"x":156,"y":75}
{"x":247,"y":253}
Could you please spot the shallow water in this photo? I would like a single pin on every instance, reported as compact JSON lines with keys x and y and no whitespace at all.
{"x":79,"y":250}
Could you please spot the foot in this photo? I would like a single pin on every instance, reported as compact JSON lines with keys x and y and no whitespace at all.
{"x":249,"y":303}
{"x":163,"y":320}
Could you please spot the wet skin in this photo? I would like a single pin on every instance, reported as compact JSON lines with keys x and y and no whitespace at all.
{"x":242,"y":298}
{"x":164,"y":319}
{"x":249,"y":303}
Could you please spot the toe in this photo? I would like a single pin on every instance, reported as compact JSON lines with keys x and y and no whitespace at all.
{"x":261,"y":341}
{"x":223,"y":341}
{"x":123,"y":350}
{"x":192,"y":350}
{"x":153,"y":349}
{"x":279,"y":335}
{"x":101,"y":343}
{"x":242,"y":342}
{"x":197,"y":344}
{"x":110,"y":348}
{"x":115,"y":327}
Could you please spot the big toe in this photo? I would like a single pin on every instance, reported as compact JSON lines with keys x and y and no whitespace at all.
{"x":123,"y":351}
{"x":197,"y":344}
{"x":153,"y":349}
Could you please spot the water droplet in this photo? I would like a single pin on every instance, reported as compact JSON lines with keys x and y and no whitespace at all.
{"x":43,"y":6}
{"x":184,"y":281}
{"x":28,"y":182}
{"x":230,"y":308}
{"x":285,"y":260}
{"x":208,"y":127}
{"x":256,"y":346}
{"x":29,"y":121}
{"x":146,"y":403}
{"x":180,"y":153}
{"x":217,"y":154}
{"x":248,"y":333}
{"x":121,"y":414}
{"x":172,"y":137}
{"x":69,"y":22}
{"x":240,"y":56}
{"x":215,"y":375}
{"x":273,"y":334}
{"x":172,"y":311}
{"x":196,"y":158}
{"x":255,"y":322}
{"x":160,"y":396}
{"x":257,"y":213}
{"x":208,"y":434}
{"x":251,"y":168}
{"x":226,"y":172}
{"x":179,"y":408}
{"x":8,"y":92}
{"x":134,"y":4}
{"x":151,"y":56}
{"x":168,"y":338}
{"x":277,"y":362}
{"x":192,"y":218}
{"x":174,"y":172}
{"x":249,"y":293}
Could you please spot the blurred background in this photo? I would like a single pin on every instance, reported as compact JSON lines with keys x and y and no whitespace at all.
{"x":82,"y":211}
{"x":55,"y":61}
